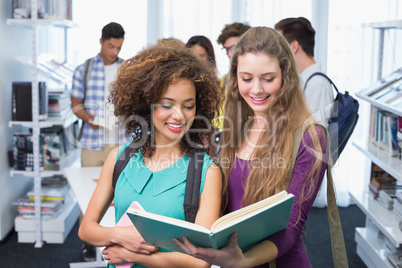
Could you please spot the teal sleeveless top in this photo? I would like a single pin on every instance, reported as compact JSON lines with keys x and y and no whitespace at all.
{"x":161,"y":192}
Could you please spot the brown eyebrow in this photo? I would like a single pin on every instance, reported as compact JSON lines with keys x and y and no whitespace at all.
{"x":261,"y":74}
{"x":170,"y":99}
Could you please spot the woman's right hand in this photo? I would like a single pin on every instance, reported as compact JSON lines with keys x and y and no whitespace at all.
{"x":130,"y":238}
{"x":229,"y":256}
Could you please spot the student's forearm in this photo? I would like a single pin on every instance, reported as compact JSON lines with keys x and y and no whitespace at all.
{"x":264,"y":252}
{"x":97,"y":235}
{"x":168,"y":259}
{"x":81,"y":113}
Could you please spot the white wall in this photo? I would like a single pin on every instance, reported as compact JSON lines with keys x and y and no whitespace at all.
{"x":15,"y":42}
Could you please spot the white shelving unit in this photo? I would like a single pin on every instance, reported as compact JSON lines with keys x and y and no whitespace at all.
{"x":33,"y":24}
{"x":370,"y":240}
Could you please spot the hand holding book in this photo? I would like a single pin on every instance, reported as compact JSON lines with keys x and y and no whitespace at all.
{"x":252,"y":224}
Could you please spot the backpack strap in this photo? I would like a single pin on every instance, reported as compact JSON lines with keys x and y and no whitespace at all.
{"x":193,"y":182}
{"x":87,"y":69}
{"x":88,"y":66}
{"x":337,"y":241}
{"x":321,"y":74}
{"x":121,"y":163}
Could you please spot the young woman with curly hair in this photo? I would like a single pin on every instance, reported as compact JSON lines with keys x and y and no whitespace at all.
{"x":166,"y":98}
{"x":264,"y":109}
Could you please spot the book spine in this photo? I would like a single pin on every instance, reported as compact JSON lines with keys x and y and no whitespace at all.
{"x":213,"y":240}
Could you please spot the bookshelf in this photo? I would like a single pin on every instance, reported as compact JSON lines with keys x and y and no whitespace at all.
{"x":32,"y":24}
{"x":381,"y":224}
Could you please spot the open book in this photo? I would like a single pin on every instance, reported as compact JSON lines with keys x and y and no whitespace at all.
{"x":252,"y":224}
{"x":102,"y":123}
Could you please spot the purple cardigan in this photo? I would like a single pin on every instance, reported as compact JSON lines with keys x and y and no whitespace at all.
{"x":289,"y":242}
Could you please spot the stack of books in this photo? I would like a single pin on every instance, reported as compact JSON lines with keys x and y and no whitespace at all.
{"x":53,"y":188}
{"x":59,"y":103}
{"x":59,"y":212}
{"x":26,"y":208}
{"x":380,"y":179}
{"x":394,"y":254}
{"x":398,"y":208}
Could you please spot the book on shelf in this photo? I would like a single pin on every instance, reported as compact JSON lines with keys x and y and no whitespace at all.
{"x":252,"y":224}
{"x":52,"y":188}
{"x":394,"y":258}
{"x":51,"y":193}
{"x":399,"y":135}
{"x":47,"y":9}
{"x":392,"y":132}
{"x":380,"y":84}
{"x":27,"y":202}
{"x":59,"y":103}
{"x":380,"y":179}
{"x":390,"y":93}
{"x":384,"y":131}
{"x":21,"y":103}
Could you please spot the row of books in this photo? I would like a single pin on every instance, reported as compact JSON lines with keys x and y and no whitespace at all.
{"x":47,"y":9}
{"x":54,"y":192}
{"x":52,"y":102}
{"x":388,"y":90}
{"x":386,"y":131}
{"x":55,"y":143}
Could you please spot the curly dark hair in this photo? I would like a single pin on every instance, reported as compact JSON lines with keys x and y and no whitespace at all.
{"x":142,"y":80}
{"x":235,"y":29}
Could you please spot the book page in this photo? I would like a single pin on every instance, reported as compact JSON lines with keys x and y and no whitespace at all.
{"x":99,"y":121}
{"x":237,"y":215}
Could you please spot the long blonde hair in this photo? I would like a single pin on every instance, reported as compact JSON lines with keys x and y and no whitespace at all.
{"x":287,"y":112}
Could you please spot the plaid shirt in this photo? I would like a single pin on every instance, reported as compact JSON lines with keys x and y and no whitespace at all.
{"x":93,"y":139}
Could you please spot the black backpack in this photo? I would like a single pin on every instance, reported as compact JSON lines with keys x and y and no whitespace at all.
{"x":344,"y":116}
{"x":192,"y":193}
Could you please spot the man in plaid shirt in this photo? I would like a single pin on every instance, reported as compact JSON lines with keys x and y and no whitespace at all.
{"x":100,"y":134}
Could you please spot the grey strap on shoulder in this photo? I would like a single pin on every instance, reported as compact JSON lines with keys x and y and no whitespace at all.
{"x":88,"y":66}
{"x":86,"y":71}
{"x":193,"y":182}
{"x":340,"y":258}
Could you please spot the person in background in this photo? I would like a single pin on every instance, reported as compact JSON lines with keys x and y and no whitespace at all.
{"x":202,"y":48}
{"x":166,"y":97}
{"x":90,"y":103}
{"x":318,"y":91}
{"x":228,"y":38}
{"x":267,"y":106}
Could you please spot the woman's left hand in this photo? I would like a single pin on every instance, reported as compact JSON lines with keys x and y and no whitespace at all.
{"x":229,"y":256}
